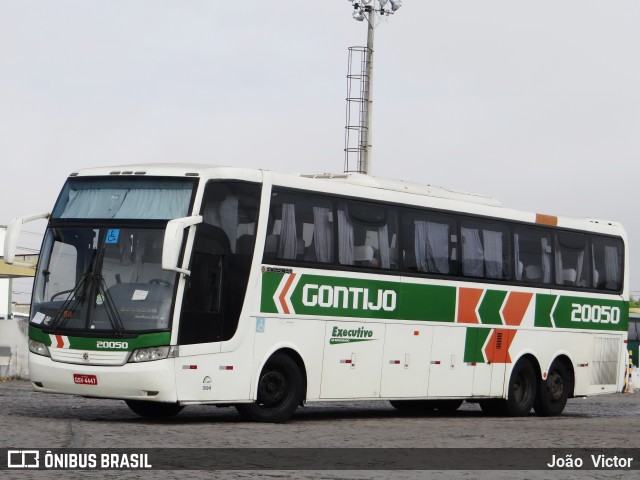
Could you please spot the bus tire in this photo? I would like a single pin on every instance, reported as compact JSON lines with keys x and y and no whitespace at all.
{"x":280,"y":390}
{"x":415,"y":406}
{"x":554,"y":391}
{"x":155,"y":410}
{"x":522,"y":389}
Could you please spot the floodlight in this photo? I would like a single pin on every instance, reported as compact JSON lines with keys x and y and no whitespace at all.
{"x":358,"y":15}
{"x":395,"y":4}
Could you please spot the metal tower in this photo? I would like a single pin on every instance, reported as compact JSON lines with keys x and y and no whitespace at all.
{"x":358,"y":144}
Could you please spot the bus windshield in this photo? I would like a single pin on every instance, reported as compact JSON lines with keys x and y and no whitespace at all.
{"x":106,"y":279}
{"x":117,"y":198}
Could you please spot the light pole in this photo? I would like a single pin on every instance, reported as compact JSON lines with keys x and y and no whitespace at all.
{"x":364,"y":10}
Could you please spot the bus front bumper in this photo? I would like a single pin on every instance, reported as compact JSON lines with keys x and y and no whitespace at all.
{"x":153,"y":381}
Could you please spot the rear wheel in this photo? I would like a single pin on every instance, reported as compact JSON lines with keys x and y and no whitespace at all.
{"x":280,"y":390}
{"x":522,"y":389}
{"x":553,"y":392}
{"x":156,"y":410}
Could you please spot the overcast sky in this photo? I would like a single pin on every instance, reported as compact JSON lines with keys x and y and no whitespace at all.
{"x":536,"y":103}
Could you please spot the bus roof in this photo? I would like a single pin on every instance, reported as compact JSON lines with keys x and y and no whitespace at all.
{"x":406,"y":187}
{"x":475,"y":203}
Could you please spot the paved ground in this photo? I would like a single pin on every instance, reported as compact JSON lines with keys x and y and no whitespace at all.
{"x":30,"y":420}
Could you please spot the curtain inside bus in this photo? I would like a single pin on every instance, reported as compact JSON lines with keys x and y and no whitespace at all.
{"x":116,"y":198}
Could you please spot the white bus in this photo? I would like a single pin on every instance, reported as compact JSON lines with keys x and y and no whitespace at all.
{"x":172,"y":285}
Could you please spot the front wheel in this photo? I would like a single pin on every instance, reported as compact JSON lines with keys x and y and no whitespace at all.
{"x":522,"y":389}
{"x":554,"y":391}
{"x":280,"y":390}
{"x":154,"y":410}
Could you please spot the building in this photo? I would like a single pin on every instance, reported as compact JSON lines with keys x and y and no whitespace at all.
{"x":13,"y":321}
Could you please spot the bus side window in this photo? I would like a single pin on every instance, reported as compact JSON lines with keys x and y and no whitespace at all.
{"x":233,"y":207}
{"x":367,"y":235}
{"x":571,"y":259}
{"x":532,"y":255}
{"x":300,"y":228}
{"x":485,"y":250}
{"x":430,"y":241}
{"x":608,"y":264}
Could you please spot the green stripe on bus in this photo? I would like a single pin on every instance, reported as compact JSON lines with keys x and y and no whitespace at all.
{"x":490,"y":307}
{"x":319,"y":295}
{"x":475,"y":340}
{"x":544,"y":305}
{"x":156,"y":339}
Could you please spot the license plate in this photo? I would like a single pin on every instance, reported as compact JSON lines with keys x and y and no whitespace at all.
{"x":85,"y":379}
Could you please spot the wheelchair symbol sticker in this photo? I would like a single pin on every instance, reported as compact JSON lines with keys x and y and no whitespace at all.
{"x":112,"y":235}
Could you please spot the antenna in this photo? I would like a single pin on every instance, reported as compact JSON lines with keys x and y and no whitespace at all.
{"x":359,"y":87}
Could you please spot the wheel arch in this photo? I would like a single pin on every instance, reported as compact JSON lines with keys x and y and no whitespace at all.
{"x":291,"y":352}
{"x":526,"y":354}
{"x":534,"y":362}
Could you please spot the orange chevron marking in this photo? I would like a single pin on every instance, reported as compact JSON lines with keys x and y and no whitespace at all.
{"x":60,"y":341}
{"x":468,"y":299}
{"x":515,"y":307}
{"x":497,"y":349}
{"x":283,"y":294}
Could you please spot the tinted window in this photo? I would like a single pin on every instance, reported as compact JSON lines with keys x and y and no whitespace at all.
{"x":608,"y":257}
{"x":485,"y":250}
{"x":367,"y":235}
{"x":306,"y":227}
{"x":430,"y":243}
{"x":300,"y":227}
{"x":532,"y":255}
{"x":571,"y":259}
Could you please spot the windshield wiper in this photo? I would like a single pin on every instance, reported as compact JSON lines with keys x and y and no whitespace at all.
{"x":110,"y":306}
{"x":76,"y":298}
{"x":73,"y":300}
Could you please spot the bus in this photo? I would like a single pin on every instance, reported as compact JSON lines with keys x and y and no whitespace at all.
{"x":172,"y":285}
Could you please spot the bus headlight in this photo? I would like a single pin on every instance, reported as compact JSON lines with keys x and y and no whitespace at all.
{"x":149,"y":354}
{"x":38,"y":348}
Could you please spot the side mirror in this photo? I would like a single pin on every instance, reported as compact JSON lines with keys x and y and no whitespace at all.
{"x":13,"y":232}
{"x":173,"y":237}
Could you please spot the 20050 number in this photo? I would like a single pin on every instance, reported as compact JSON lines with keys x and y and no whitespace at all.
{"x":594,"y":313}
{"x":114,"y":345}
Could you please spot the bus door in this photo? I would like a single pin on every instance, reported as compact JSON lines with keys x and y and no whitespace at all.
{"x":203,"y":311}
{"x":449,"y":374}
{"x":405,"y":365}
{"x":351,"y":366}
{"x":488,"y":351}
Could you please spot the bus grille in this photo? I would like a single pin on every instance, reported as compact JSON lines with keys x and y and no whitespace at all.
{"x":88,"y":357}
{"x":604,"y":366}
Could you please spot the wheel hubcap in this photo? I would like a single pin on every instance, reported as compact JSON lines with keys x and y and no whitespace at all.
{"x":273,"y":389}
{"x":521,"y":389}
{"x":555,"y":384}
